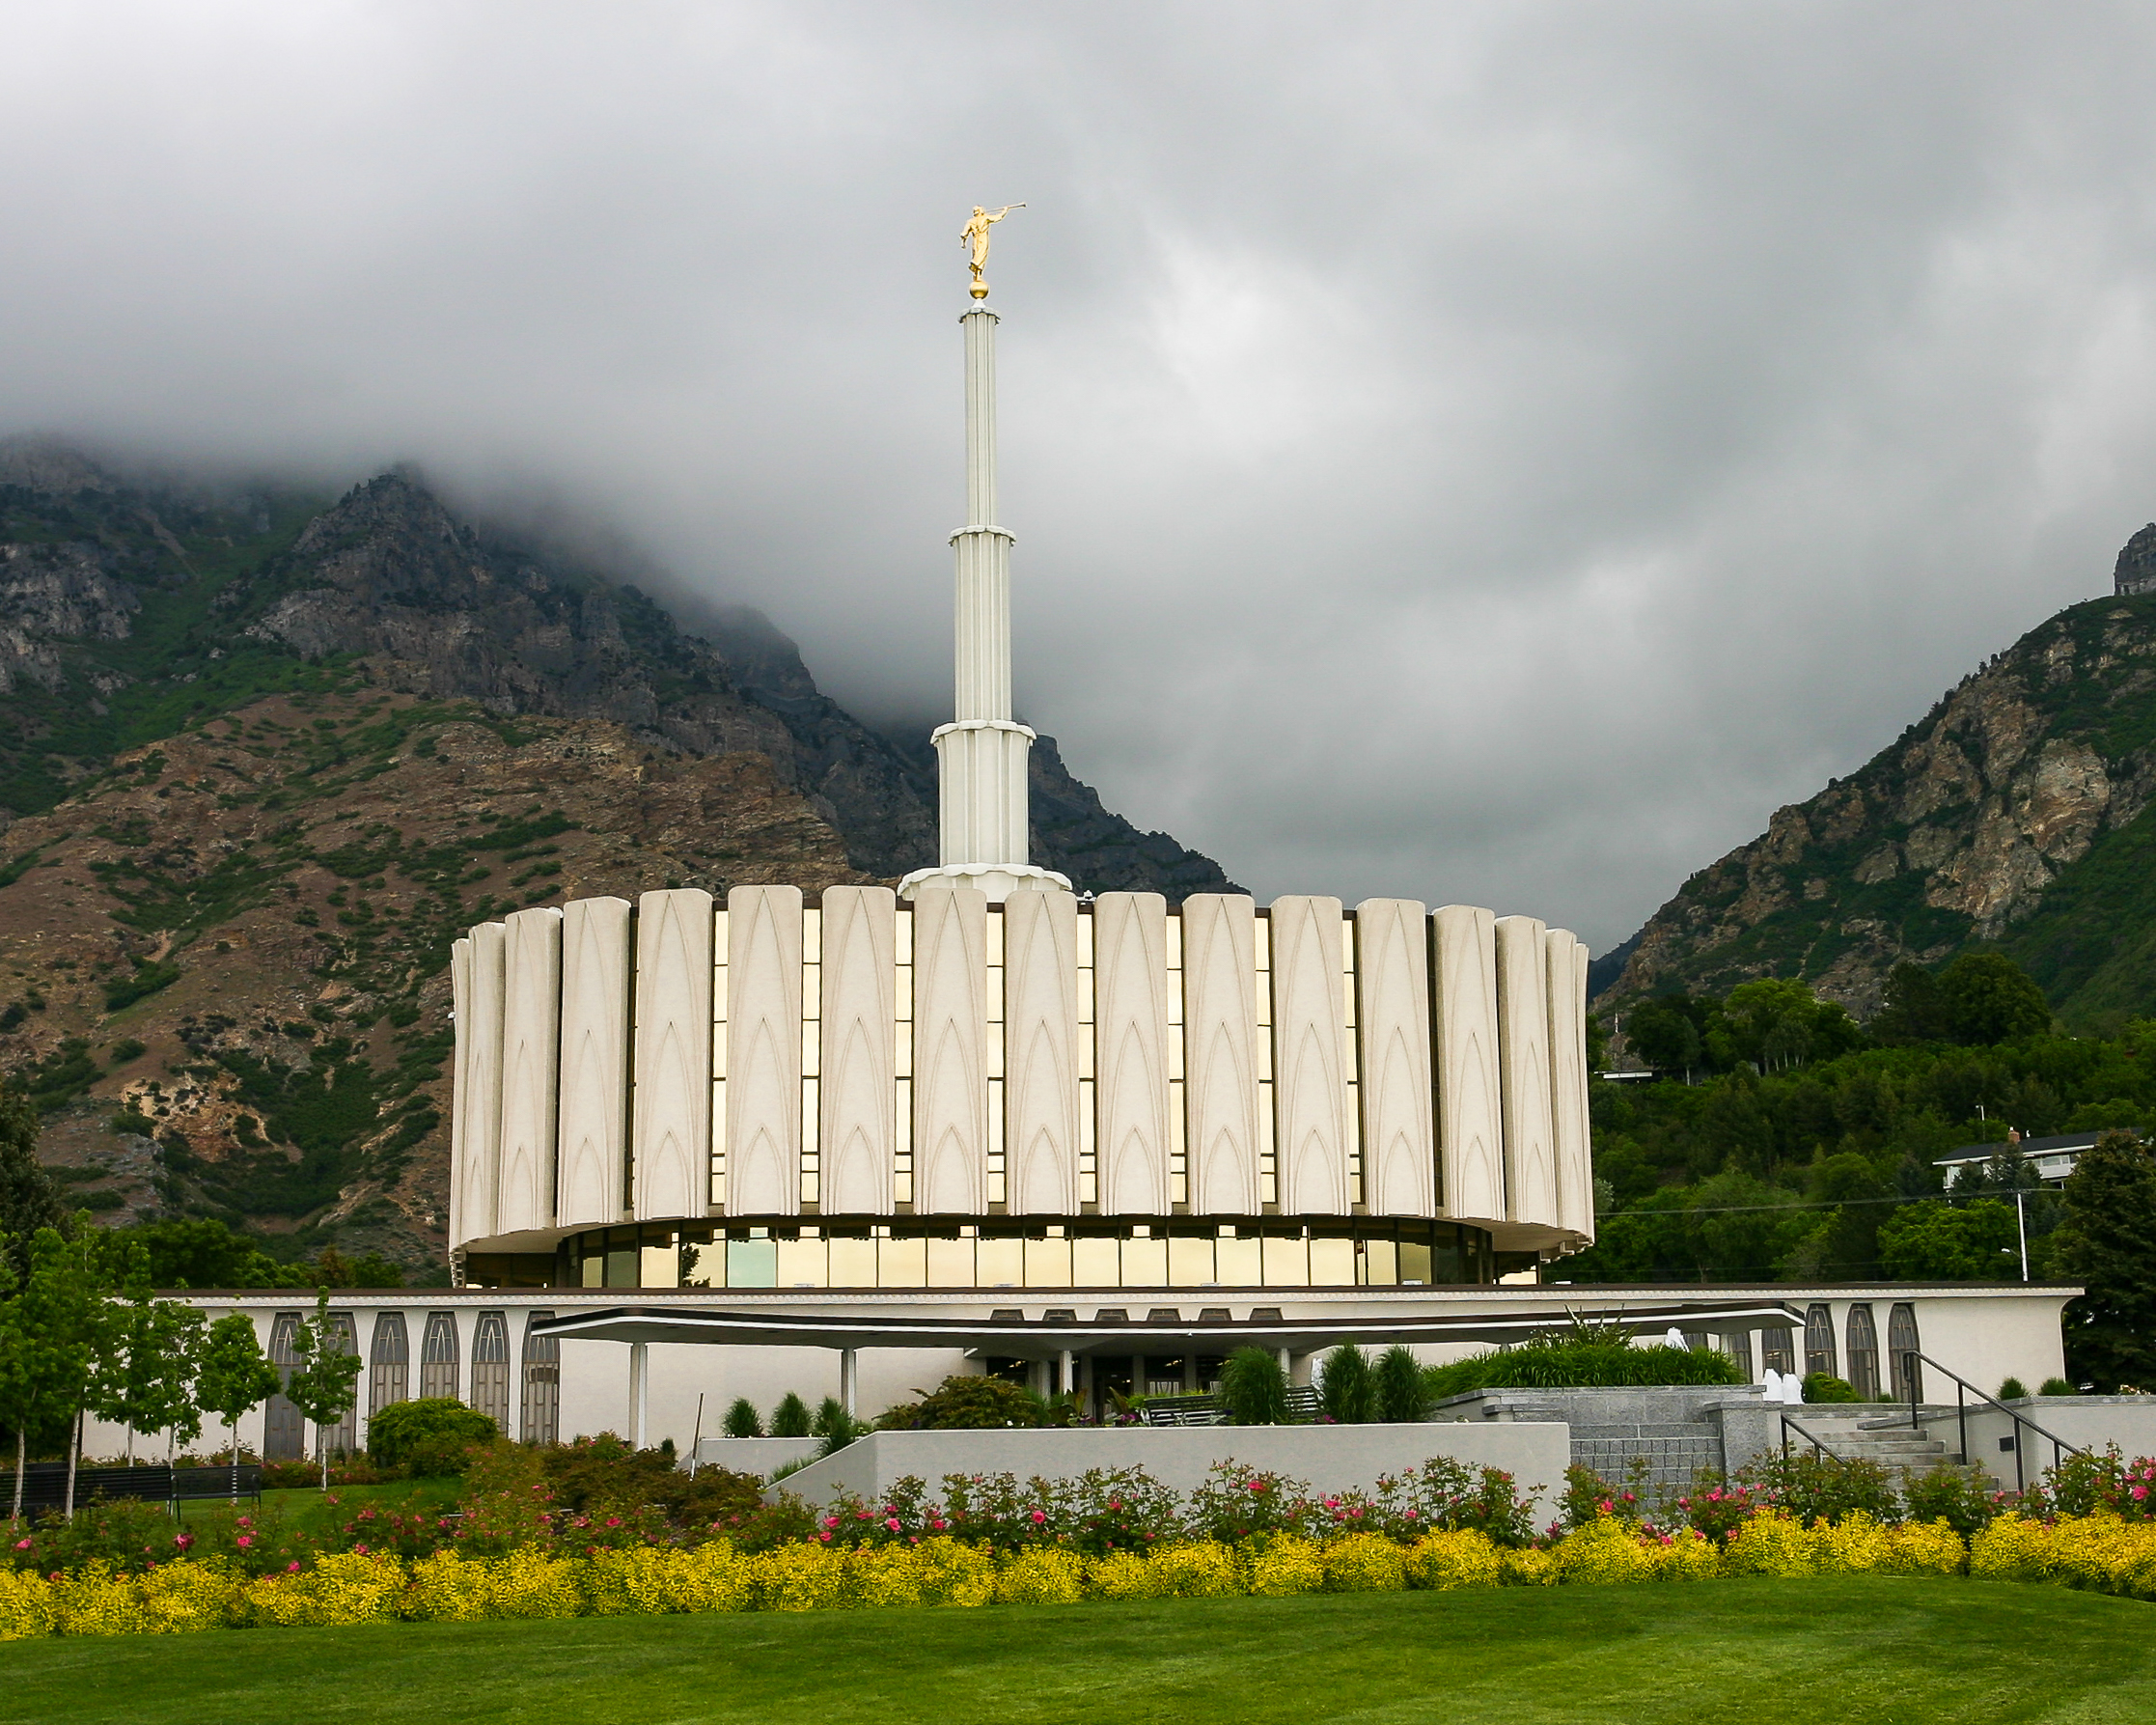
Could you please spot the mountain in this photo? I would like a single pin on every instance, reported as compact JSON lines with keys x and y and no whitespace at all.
{"x":261,"y":756}
{"x":2016,"y":816}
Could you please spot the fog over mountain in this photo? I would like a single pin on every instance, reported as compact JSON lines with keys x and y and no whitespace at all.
{"x":1475,"y":453}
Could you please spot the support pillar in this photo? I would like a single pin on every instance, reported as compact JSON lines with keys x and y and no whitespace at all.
{"x":640,"y":1391}
{"x":1065,"y":1379}
{"x":849,"y":1377}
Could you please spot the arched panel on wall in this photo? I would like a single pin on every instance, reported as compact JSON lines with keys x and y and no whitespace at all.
{"x":1393,"y":1020}
{"x":1219,"y":1052}
{"x":341,"y":1438}
{"x":480,"y":1099}
{"x":858,"y":1124}
{"x":592,"y":1165}
{"x":1309,"y":1088}
{"x":531,"y":1065}
{"x":670,"y":1117}
{"x":1040,"y":1052}
{"x":1131,"y":1053}
{"x":1904,"y":1370}
{"x":1864,"y":1354}
{"x":764,"y":1052}
{"x":1819,"y":1355}
{"x":490,"y":1368}
{"x":1565,"y":964}
{"x":389,"y":1363}
{"x":438,"y":1358}
{"x":950,"y":1038}
{"x":541,"y":1411}
{"x":284,"y":1428}
{"x":1463,"y":998}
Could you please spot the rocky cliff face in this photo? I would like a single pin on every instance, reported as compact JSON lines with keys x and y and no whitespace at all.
{"x":2016,"y":814}
{"x":265,"y":757}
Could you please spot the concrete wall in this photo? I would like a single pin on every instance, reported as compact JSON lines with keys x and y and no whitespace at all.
{"x":2091,"y":1421}
{"x":1045,"y":1054}
{"x":1329,"y":1457}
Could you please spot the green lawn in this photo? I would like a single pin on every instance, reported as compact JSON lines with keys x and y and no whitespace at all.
{"x":1842,"y":1652}
{"x":310,"y":1510}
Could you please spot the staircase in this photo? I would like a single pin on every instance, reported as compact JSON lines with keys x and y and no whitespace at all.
{"x":1862,"y":1436}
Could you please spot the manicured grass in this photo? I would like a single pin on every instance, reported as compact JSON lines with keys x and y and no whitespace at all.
{"x":1852,"y":1650}
{"x":310,"y":1510}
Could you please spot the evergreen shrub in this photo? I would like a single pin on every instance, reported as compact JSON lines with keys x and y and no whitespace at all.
{"x":1254,"y":1388}
{"x":427,"y":1437}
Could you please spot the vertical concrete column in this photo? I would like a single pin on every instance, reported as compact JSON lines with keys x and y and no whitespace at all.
{"x":1523,"y":1023}
{"x":481,"y":1097}
{"x":1040,"y":1051}
{"x":1567,"y":961}
{"x":640,"y":1391}
{"x":671,"y":1133}
{"x":1463,"y":1028}
{"x":950,"y":1051}
{"x":763,"y":1037}
{"x":1309,"y":1088}
{"x":849,"y":1377}
{"x":1219,"y":1052}
{"x":1131,"y":1059}
{"x":1392,"y":1021}
{"x":858,"y":1121}
{"x":592,"y":1163}
{"x":531,"y":1068}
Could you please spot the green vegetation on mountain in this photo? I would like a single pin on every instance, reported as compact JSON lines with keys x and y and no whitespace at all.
{"x":2016,"y":816}
{"x":1782,"y":1140}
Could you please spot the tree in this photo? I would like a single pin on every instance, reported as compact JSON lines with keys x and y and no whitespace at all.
{"x":431,"y":1436}
{"x":231,"y":1376}
{"x":52,"y":1336}
{"x":1987,"y":998}
{"x":202,"y":1252}
{"x":29,"y":1197}
{"x":2108,"y":1243}
{"x":325,"y":1382}
{"x":791,"y":1418}
{"x":741,"y":1419}
{"x":1348,"y":1394}
{"x":1938,"y":1242}
{"x":144,"y":1375}
{"x":1665,"y":1032}
{"x":1910,"y":1009}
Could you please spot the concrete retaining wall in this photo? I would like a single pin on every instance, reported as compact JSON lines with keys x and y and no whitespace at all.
{"x":1331,"y":1458}
{"x":761,"y":1456}
{"x":2090,"y":1420}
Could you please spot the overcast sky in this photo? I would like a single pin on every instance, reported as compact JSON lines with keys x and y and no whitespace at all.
{"x":1488,"y":453}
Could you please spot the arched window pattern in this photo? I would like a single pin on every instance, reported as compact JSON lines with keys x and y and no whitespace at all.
{"x":1777,"y":1349}
{"x":390,"y":1358}
{"x":342,"y":1439}
{"x":490,"y":1368}
{"x":1907,"y":1372}
{"x":1738,"y":1347}
{"x":284,"y":1430}
{"x":543,"y":1384}
{"x":437,"y":1355}
{"x":1864,"y":1354}
{"x":1818,"y":1342}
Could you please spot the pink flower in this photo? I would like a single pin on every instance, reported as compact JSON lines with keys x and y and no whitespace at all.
{"x":246,"y":1539}
{"x":1038,"y":1516}
{"x":23,"y":1545}
{"x":614,"y":1520}
{"x":1413,"y":1513}
{"x":825,"y":1536}
{"x":2141,"y":1492}
{"x":1256,"y":1486}
{"x":892,"y":1524}
{"x":292,"y":1568}
{"x":939,"y":1523}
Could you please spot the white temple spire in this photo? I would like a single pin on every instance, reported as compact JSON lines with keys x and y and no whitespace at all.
{"x":981,"y":755}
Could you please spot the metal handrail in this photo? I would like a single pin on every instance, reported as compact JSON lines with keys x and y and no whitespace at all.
{"x":1789,"y":1425}
{"x":1963,"y":1390}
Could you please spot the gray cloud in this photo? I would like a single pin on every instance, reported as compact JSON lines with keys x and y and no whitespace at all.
{"x":1490,"y":452}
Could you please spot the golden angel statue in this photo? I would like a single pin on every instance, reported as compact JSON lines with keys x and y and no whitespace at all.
{"x":974,"y":233}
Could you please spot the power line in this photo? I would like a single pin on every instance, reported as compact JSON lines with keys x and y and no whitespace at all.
{"x":1731,"y":1209}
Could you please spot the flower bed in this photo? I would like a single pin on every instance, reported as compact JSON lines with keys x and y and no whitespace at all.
{"x":517,"y":1549}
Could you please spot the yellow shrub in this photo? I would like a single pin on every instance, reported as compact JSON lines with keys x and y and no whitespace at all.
{"x":1526,"y":1568}
{"x":2106,"y":1554}
{"x":1687,"y":1556}
{"x":1465,"y":1558}
{"x":1770,"y":1543}
{"x":1124,"y":1576}
{"x":182,"y":1596}
{"x":647,"y":1581}
{"x":1364,"y":1563}
{"x":528,"y":1583}
{"x":951,"y":1574}
{"x":25,"y":1607}
{"x":1854,"y":1546}
{"x":1286,"y":1564}
{"x":2012,"y":1548}
{"x":93,"y":1601}
{"x":1202,"y":1570}
{"x":1042,"y":1577}
{"x":341,"y":1589}
{"x":446,"y":1588}
{"x":805,"y":1578}
{"x":1602,"y":1550}
{"x":1924,"y":1548}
